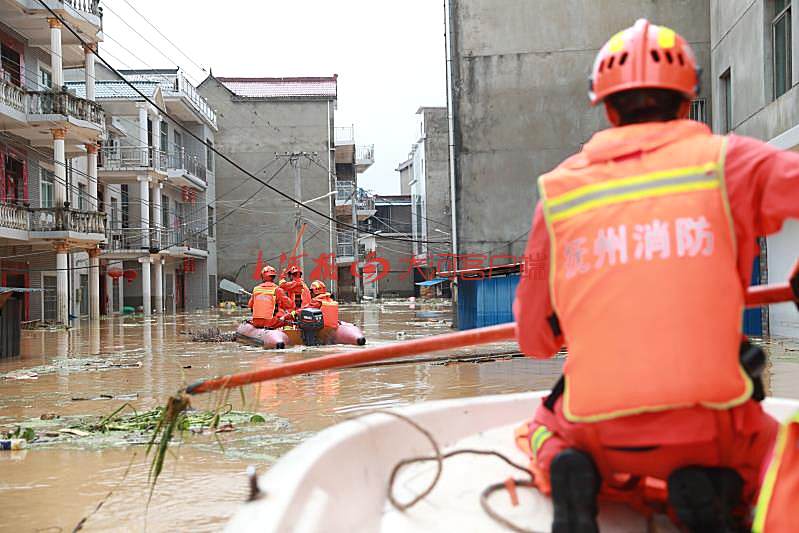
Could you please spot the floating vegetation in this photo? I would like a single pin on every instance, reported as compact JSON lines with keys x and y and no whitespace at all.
{"x":211,"y":335}
{"x":78,"y":364}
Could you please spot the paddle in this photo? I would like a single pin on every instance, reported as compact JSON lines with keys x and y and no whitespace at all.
{"x":235,"y":288}
{"x":756,"y":296}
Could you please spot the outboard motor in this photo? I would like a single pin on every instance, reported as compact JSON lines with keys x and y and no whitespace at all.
{"x":310,"y":322}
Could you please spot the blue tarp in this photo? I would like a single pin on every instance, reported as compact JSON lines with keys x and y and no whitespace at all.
{"x":430,"y":282}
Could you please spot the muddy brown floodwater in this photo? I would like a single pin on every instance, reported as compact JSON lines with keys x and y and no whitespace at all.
{"x":92,"y":370}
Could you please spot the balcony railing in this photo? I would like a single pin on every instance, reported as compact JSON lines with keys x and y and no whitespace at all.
{"x":365,"y":154}
{"x":14,"y":216}
{"x":64,"y":103}
{"x":344,"y":190}
{"x":344,"y":134}
{"x":131,"y":157}
{"x":64,"y":219}
{"x":193,"y":164}
{"x":12,"y":95}
{"x":184,"y":238}
{"x":87,"y":6}
{"x":199,"y":103}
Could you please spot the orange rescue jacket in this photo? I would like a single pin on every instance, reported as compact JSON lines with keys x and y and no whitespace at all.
{"x":264,"y":301}
{"x":779,"y":494}
{"x":329,"y":309}
{"x":643,"y":277}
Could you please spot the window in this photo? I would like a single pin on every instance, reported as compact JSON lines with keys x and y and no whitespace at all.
{"x":698,"y":110}
{"x":45,"y":78}
{"x":49,"y":297}
{"x":164,"y":211}
{"x":725,"y":101}
{"x":210,"y":221}
{"x":12,"y":69}
{"x":114,"y":213}
{"x":209,"y":155}
{"x":46,"y":188}
{"x":781,"y":45}
{"x":125,"y":207}
{"x":164,"y":135}
{"x":83,"y":204}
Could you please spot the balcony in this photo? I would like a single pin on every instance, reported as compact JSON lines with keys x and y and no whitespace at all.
{"x":188,"y":91}
{"x":14,"y":221}
{"x":364,"y":203}
{"x":91,"y":7}
{"x":13,"y":96}
{"x":186,"y":169}
{"x":66,"y":104}
{"x":24,"y":223}
{"x":344,"y":135}
{"x":364,"y":157}
{"x":131,"y":158}
{"x":125,"y":243}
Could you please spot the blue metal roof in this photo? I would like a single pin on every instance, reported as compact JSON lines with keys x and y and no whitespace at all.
{"x":431,"y":282}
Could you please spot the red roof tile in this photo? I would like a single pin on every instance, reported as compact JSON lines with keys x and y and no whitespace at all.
{"x":306,"y":87}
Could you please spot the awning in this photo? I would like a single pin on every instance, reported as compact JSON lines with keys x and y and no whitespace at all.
{"x":432,"y":282}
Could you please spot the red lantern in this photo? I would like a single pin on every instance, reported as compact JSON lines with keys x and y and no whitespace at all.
{"x":115,"y":274}
{"x":130,"y":275}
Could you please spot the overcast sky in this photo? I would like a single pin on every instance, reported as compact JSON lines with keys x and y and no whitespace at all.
{"x":389,"y":56}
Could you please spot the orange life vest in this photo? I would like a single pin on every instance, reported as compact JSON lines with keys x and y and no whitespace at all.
{"x":264,"y":301}
{"x":643,"y":276}
{"x":779,"y":495}
{"x":329,"y":309}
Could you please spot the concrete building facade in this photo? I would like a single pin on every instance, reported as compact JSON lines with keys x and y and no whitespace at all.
{"x":156,"y":186}
{"x":281,"y":130}
{"x":517,"y":77}
{"x":755,"y":84}
{"x":50,"y":225}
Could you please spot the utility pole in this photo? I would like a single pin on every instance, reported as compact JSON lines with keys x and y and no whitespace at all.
{"x":356,"y":243}
{"x":294,"y":159}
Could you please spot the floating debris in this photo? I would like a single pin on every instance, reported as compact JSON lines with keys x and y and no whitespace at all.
{"x":211,"y":335}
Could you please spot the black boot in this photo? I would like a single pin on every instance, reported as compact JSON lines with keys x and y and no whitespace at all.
{"x":704,"y":498}
{"x":575,"y":486}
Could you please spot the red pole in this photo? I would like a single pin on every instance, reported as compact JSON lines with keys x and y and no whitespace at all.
{"x":448,"y":341}
{"x":755,"y":296}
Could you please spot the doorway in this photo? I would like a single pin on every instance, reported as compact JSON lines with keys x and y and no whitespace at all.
{"x":14,"y":181}
{"x":180,"y":286}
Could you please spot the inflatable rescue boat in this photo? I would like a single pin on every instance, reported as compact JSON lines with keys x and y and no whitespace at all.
{"x":310,"y":330}
{"x":338,"y":480}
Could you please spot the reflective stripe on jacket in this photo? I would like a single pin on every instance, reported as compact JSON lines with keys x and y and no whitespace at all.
{"x":643,"y":278}
{"x":779,"y":494}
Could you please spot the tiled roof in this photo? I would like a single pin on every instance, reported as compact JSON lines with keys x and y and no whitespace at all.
{"x":166,"y":78}
{"x":111,"y":89}
{"x":317,"y":87}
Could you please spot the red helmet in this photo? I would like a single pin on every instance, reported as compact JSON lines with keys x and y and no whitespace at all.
{"x":268,"y":273}
{"x":644,"y":56}
{"x":318,"y":287}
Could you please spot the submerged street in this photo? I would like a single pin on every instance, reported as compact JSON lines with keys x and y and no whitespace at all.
{"x":93,"y":371}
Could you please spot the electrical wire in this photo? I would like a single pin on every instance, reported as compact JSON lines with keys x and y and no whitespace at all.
{"x":213,"y":149}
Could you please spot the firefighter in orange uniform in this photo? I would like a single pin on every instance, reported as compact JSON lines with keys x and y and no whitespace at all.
{"x":269,"y":303}
{"x":779,"y":494}
{"x":650,"y":236}
{"x":295,"y":287}
{"x":321,"y":299}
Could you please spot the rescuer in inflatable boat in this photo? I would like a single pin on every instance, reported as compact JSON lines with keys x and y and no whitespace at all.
{"x":270,"y":306}
{"x":649,"y":235}
{"x":321,"y":299}
{"x":295,"y":287}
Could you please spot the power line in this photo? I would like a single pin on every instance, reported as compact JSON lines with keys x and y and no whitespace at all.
{"x":213,"y":149}
{"x":164,"y":36}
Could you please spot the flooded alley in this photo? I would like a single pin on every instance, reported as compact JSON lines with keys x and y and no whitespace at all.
{"x":90,"y":372}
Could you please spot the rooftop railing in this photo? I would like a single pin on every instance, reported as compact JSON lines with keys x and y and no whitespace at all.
{"x":199,"y":103}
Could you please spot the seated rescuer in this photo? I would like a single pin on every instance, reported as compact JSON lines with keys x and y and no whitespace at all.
{"x":295,"y":287}
{"x":269,"y":302}
{"x":321,"y":299}
{"x":650,"y":233}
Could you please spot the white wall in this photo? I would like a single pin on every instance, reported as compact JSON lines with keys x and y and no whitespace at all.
{"x":782,"y":255}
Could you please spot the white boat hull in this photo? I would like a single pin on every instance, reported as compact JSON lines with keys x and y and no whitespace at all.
{"x":337,"y":480}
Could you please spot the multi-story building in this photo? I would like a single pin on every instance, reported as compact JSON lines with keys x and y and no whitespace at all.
{"x":353,"y":206}
{"x":517,"y":78}
{"x":425,"y":175}
{"x":393,"y":247}
{"x":281,"y":130}
{"x":50,"y":225}
{"x":755,"y":86}
{"x":157,"y":187}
